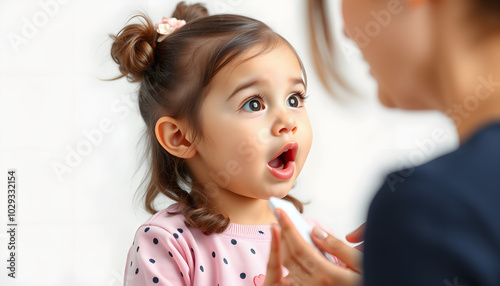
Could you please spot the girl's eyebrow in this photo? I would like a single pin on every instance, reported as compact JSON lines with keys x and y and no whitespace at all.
{"x":297,"y":80}
{"x":245,"y":85}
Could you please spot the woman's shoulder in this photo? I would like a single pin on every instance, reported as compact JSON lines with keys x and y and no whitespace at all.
{"x":479,"y":155}
{"x":465,"y":179}
{"x":472,"y":171}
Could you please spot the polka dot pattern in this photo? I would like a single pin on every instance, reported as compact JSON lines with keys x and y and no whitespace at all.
{"x":213,"y":254}
{"x":187,"y":255}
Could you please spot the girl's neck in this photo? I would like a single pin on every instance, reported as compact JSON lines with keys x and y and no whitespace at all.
{"x":243,"y":210}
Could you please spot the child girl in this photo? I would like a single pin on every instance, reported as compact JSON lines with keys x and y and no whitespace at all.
{"x":223,"y":101}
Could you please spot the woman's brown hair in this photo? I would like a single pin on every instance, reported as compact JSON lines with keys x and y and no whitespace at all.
{"x":323,"y":48}
{"x":487,"y":12}
{"x":173,"y":76}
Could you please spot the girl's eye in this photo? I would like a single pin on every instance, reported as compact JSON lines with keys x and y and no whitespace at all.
{"x":293,"y":101}
{"x":253,"y":105}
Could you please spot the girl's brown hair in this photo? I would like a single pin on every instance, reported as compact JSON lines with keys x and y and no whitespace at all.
{"x":173,"y":76}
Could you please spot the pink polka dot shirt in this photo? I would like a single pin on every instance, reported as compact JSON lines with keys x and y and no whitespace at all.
{"x":167,"y":252}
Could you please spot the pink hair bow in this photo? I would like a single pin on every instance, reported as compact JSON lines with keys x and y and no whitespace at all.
{"x":168,"y":26}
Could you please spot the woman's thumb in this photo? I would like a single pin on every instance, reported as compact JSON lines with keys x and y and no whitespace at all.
{"x":328,"y":243}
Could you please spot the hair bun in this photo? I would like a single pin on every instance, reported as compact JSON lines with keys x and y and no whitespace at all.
{"x":189,"y":13}
{"x":132,"y":48}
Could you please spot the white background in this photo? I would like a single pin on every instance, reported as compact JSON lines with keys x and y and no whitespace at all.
{"x":75,"y":226}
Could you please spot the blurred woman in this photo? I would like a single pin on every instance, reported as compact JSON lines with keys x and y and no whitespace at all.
{"x":435,"y":224}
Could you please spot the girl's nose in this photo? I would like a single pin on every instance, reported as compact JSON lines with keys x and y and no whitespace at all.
{"x":285,"y":123}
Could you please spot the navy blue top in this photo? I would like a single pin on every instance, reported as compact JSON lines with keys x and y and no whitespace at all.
{"x":439,"y":223}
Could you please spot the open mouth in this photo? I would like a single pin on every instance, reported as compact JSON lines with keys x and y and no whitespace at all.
{"x":282,"y":166}
{"x":284,"y":157}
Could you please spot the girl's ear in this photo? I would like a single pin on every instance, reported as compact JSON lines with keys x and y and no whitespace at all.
{"x":173,"y":137}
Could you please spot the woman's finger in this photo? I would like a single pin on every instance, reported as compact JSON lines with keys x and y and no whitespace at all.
{"x":328,"y":243}
{"x":274,"y":272}
{"x":298,"y":253}
{"x":306,"y":265}
{"x":357,"y":235}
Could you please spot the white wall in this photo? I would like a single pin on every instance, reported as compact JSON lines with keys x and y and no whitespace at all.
{"x":75,"y":227}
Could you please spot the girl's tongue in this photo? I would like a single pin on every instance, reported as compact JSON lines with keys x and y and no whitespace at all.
{"x":276,"y":163}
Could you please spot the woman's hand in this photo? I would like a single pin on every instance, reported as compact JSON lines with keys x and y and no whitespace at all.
{"x":357,"y":236}
{"x":305,"y":264}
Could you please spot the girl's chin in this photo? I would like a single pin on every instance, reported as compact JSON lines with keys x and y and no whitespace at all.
{"x":281,"y":193}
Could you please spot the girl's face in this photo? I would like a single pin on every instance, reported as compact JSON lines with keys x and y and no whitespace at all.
{"x":396,"y":40}
{"x":255,"y":128}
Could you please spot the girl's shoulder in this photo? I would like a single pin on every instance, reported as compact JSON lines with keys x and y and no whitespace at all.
{"x":167,"y":231}
{"x":166,"y":215}
{"x":167,"y":221}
